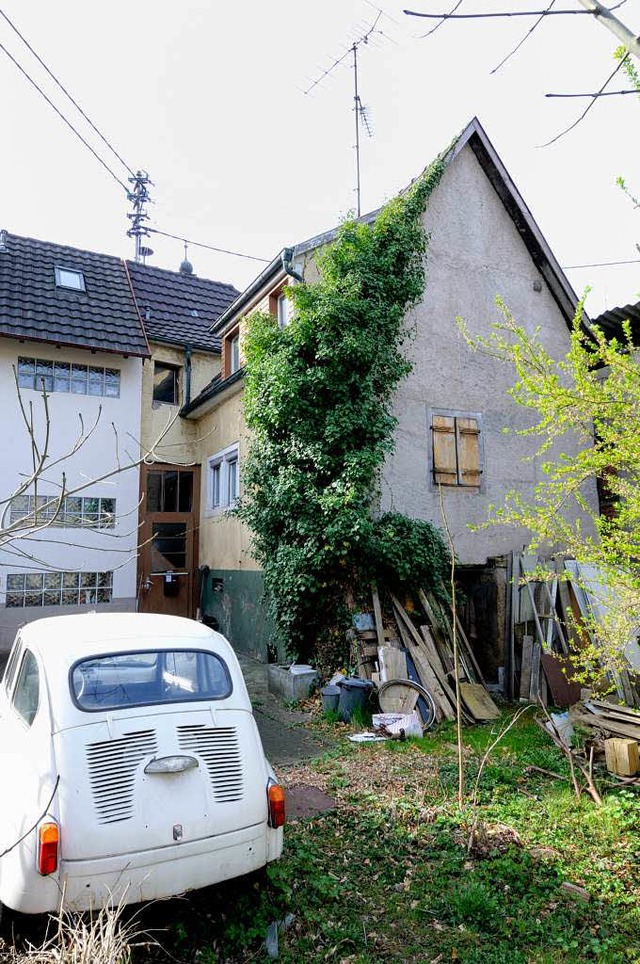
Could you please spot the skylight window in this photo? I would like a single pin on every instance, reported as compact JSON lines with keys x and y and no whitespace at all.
{"x":70,"y":278}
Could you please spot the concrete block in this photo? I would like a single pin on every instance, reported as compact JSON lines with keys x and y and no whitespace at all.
{"x":291,"y":682}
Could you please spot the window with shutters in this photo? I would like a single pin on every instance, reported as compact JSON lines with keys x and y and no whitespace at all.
{"x":456,"y":449}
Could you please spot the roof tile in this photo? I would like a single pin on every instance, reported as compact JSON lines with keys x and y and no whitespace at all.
{"x":102,"y":318}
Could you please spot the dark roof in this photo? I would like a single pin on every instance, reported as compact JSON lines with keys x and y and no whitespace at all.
{"x":611,"y":322}
{"x":32,"y":307}
{"x":215,"y":387}
{"x":179,"y":308}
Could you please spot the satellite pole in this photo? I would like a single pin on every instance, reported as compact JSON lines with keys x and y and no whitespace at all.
{"x":139,"y":198}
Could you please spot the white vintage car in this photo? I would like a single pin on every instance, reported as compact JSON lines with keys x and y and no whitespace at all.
{"x":131,"y":763}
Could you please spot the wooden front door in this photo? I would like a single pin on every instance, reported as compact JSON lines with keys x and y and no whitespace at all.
{"x":169,"y":555}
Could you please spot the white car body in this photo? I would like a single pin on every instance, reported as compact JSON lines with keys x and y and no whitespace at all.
{"x":127,"y":832}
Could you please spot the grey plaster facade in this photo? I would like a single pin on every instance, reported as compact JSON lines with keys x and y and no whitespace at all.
{"x":476,"y":252}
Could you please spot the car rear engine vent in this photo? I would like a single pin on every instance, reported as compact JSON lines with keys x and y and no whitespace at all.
{"x":112,"y":768}
{"x":220,"y":749}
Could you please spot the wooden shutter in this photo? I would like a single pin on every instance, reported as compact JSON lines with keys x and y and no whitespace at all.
{"x":445,"y":462}
{"x":468,"y":439}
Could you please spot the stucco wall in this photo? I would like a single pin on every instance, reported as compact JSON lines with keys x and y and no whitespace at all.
{"x":179,"y":443}
{"x":73,"y":549}
{"x":475,"y":253}
{"x":225,"y":543}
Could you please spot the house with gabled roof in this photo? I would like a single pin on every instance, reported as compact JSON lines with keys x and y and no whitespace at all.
{"x":457,"y":426}
{"x":72,"y":346}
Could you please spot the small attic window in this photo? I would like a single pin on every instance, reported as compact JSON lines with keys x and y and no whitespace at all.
{"x":70,"y":278}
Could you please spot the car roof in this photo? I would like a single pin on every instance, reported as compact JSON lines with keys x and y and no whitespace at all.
{"x":66,"y":638}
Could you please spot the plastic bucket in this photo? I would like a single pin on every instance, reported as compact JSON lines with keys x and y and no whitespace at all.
{"x":330,"y":698}
{"x":354,"y":695}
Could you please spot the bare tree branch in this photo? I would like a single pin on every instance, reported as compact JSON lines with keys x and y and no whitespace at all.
{"x":587,"y":108}
{"x":524,"y":39}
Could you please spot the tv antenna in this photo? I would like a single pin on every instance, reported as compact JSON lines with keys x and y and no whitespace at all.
{"x":361,"y":115}
{"x":139,"y":197}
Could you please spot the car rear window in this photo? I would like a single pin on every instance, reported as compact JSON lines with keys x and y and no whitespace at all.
{"x":118,"y":680}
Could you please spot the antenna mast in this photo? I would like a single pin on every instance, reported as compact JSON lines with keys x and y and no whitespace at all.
{"x":356,"y":110}
{"x":360,"y":111}
{"x":139,"y":198}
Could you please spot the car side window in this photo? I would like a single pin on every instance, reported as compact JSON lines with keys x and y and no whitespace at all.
{"x":26,"y":694}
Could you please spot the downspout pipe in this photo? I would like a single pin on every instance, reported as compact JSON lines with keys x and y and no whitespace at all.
{"x":187,"y":374}
{"x":288,"y":265}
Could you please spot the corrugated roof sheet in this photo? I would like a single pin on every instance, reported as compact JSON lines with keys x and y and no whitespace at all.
{"x":179,"y":308}
{"x":611,"y":322}
{"x":33,"y":307}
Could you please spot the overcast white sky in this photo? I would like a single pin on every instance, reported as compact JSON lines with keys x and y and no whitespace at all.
{"x":206,"y":96}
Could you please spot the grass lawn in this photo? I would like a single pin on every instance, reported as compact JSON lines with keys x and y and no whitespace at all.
{"x":387,"y":875}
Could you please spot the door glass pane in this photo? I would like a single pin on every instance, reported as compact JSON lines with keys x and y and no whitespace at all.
{"x":170,"y":500}
{"x":154,"y":492}
{"x":185,"y":496}
{"x":169,"y":546}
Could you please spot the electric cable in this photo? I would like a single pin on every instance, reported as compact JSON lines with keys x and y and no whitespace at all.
{"x":62,"y":117}
{"x":600,"y":264}
{"x":66,"y":92}
{"x":209,"y":247}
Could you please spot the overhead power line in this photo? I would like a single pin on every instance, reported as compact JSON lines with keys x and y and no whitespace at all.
{"x":209,"y":247}
{"x":63,"y":118}
{"x":600,"y":264}
{"x":66,"y":93}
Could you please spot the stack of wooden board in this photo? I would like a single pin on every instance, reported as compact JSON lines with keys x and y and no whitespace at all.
{"x":610,"y":719}
{"x":552,"y":614}
{"x":416,"y":644}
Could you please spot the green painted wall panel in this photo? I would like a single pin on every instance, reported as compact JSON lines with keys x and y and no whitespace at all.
{"x":235,"y":598}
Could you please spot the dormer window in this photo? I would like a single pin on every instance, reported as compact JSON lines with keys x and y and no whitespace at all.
{"x":69,"y":278}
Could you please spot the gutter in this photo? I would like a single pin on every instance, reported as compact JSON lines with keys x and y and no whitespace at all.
{"x":187,"y":374}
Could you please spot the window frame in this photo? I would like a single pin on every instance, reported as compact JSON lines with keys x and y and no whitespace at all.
{"x":234,"y":354}
{"x":455,"y":414}
{"x":283,"y":309}
{"x":168,"y":367}
{"x":219,"y":495}
{"x":61,"y":270}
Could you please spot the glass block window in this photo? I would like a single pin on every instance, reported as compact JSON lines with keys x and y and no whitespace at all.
{"x":87,"y":511}
{"x":65,"y":377}
{"x":58,"y":588}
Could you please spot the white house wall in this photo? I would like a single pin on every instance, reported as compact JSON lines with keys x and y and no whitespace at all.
{"x":73,"y":549}
{"x":475,"y":253}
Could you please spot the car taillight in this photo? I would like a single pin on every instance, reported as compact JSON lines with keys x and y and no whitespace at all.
{"x":275,"y":794}
{"x":49,"y":838}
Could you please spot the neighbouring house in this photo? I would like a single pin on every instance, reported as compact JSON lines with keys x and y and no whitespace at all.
{"x":178,"y":310}
{"x":452,"y":410}
{"x":69,"y":483}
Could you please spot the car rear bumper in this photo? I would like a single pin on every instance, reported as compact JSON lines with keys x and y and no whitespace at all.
{"x":152,"y":874}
